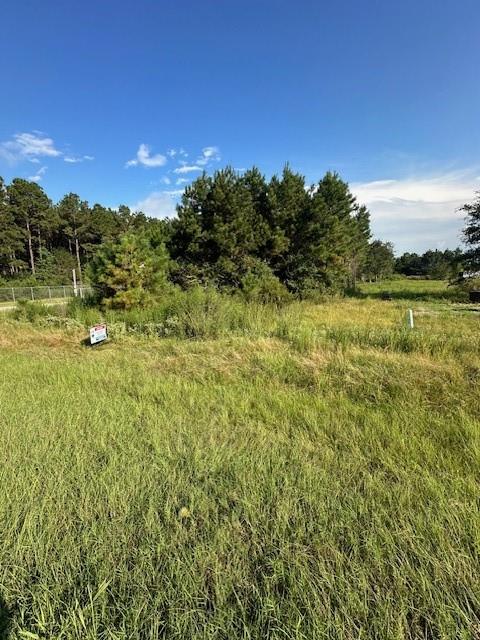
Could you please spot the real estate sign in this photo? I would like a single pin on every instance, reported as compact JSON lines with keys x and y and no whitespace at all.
{"x":98,"y":333}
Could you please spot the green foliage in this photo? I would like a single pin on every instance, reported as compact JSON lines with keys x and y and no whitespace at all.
{"x":260,"y":284}
{"x":11,"y":237}
{"x":32,"y":230}
{"x":30,"y":311}
{"x":129,"y":273}
{"x":33,"y":215}
{"x":56,"y":267}
{"x":312,"y":240}
{"x":380,"y":260}
{"x":331,"y":239}
{"x":472,"y":235}
{"x":439,"y":265}
{"x":309,"y":241}
{"x":216,"y":227}
{"x":469,"y":283}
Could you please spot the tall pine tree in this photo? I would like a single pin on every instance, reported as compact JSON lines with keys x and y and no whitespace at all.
{"x":31,"y":209}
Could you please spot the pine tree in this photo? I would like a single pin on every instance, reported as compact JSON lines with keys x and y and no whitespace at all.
{"x":289,"y":202}
{"x":11,"y":237}
{"x":380,"y":260}
{"x":216,"y":229}
{"x":471,"y":234}
{"x":128,"y":272}
{"x":31,"y":208}
{"x":186,"y":244}
{"x":360,"y":238}
{"x":263,"y":227}
{"x":332,"y":237}
{"x":74,"y":216}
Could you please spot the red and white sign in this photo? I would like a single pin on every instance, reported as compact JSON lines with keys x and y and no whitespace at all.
{"x":98,"y":333}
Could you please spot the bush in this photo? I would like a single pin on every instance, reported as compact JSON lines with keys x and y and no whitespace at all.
{"x":469,"y":284}
{"x":260,"y":284}
{"x":30,"y":311}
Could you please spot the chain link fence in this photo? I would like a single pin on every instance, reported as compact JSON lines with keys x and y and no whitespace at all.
{"x":44,"y":293}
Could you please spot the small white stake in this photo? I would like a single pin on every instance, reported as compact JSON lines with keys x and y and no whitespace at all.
{"x":410,"y":318}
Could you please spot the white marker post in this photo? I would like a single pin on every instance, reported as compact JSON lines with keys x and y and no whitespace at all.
{"x":410,"y":318}
{"x":74,"y":282}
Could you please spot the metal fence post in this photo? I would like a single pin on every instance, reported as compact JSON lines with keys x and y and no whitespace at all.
{"x":13,"y":294}
{"x":64,"y":294}
{"x":49,"y":293}
{"x":31,"y":291}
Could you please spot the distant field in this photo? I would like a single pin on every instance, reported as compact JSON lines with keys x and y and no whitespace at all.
{"x":313,"y":473}
{"x":411,"y":289}
{"x":9,"y":304}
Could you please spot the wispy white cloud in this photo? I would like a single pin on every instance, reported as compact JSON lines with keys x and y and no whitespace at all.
{"x":419,"y":212}
{"x":182,"y":181}
{"x":158,"y":204}
{"x":441,"y":189}
{"x":28,"y":146}
{"x":33,"y":146}
{"x":77,"y":159}
{"x":209,"y":154}
{"x":186,"y":168}
{"x":39,"y":175}
{"x":145,"y":158}
{"x":171,"y":153}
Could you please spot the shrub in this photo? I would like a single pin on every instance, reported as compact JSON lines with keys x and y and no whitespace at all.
{"x":260,"y":284}
{"x":30,"y":311}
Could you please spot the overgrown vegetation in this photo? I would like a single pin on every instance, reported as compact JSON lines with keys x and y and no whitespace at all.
{"x":303,"y":471}
{"x":231,"y":229}
{"x":234,"y":231}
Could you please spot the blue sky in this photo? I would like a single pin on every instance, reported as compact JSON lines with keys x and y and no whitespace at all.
{"x":122,"y":102}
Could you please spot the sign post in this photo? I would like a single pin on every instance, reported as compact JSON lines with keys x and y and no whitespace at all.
{"x":98,"y":333}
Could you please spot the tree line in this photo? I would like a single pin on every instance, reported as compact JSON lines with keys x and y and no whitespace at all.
{"x":228,"y":227}
{"x":232,"y":230}
{"x":46,"y":241}
{"x":432,"y":264}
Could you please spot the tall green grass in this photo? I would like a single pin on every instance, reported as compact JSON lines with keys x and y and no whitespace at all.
{"x":304,"y":472}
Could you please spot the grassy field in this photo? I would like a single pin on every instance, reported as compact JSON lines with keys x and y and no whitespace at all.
{"x":403,"y":289}
{"x":9,"y":304}
{"x":305,"y":473}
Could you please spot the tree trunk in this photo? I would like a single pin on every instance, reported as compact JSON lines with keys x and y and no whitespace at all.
{"x":77,"y":251}
{"x":30,"y":248}
{"x":39,"y":244}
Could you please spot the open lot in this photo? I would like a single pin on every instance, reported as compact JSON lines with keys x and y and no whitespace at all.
{"x":313,"y":476}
